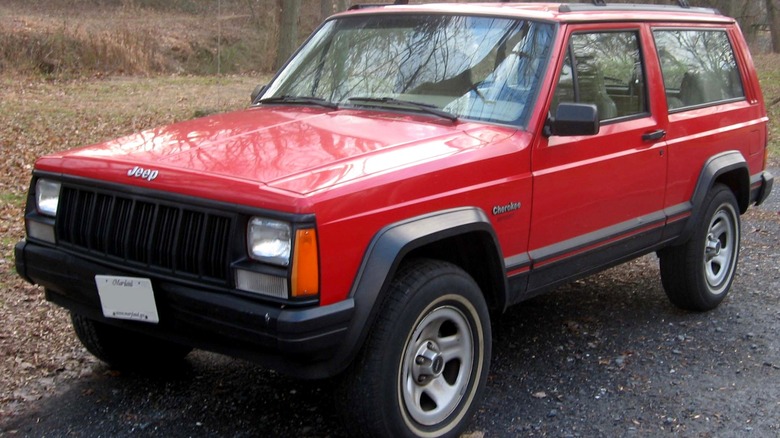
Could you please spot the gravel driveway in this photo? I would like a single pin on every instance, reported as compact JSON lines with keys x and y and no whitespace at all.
{"x":604,"y":356}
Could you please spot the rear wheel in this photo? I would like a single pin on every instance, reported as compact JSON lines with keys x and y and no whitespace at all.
{"x":698,"y":275}
{"x":122,"y":348}
{"x":426,"y":361}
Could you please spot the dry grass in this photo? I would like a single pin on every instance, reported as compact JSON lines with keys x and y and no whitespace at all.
{"x":71,"y":37}
{"x":37,"y":46}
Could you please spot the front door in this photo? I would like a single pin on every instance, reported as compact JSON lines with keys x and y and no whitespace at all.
{"x":599,"y":198}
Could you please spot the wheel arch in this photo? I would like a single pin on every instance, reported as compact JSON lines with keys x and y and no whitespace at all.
{"x":450,"y":235}
{"x":728,"y":168}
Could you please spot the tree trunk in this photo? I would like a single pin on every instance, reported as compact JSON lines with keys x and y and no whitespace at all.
{"x":330,"y":7}
{"x":288,"y":31}
{"x":749,"y":14}
{"x":774,"y":25}
{"x":326,"y":9}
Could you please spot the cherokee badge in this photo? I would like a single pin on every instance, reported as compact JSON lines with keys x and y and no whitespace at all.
{"x":501,"y":209}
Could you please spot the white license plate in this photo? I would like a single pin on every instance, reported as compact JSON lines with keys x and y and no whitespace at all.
{"x":127,"y":298}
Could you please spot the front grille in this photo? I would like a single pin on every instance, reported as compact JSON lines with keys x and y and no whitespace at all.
{"x":147,"y":233}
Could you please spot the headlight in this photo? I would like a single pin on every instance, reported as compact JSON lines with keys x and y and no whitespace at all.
{"x":269,"y":241}
{"x":47,"y":196}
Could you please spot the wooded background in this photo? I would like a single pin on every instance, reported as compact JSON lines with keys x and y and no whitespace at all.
{"x":131,"y":37}
{"x":756,"y":17}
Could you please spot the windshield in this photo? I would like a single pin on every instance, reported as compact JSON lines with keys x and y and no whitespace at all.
{"x":482,"y":68}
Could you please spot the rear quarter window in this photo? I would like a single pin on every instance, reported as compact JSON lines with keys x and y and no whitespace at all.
{"x":699,"y":67}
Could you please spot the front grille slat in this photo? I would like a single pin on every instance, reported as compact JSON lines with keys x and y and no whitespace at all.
{"x":174,"y":239}
{"x":64,"y":212}
{"x":120,"y":219}
{"x":100,"y":223}
{"x":163,"y":238}
{"x":188,"y":247}
{"x":138,"y":237}
{"x":215,"y":244}
{"x":86,"y":203}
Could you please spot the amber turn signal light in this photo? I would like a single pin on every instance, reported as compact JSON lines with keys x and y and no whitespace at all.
{"x":305,"y":272}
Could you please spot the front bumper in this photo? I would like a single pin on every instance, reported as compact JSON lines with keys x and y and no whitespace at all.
{"x":298,"y":341}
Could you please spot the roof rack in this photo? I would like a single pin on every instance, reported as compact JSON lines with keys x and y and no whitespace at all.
{"x":682,"y":6}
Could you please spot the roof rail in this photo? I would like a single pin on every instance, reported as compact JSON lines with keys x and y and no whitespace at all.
{"x":377,"y":5}
{"x":682,"y":6}
{"x":681,"y":3}
{"x":367,"y":6}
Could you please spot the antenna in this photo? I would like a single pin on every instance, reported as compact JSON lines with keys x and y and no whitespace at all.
{"x":219,"y":37}
{"x":684,"y":4}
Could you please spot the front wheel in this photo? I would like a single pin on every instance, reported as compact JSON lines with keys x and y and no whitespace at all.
{"x":426,"y":361}
{"x":698,"y":275}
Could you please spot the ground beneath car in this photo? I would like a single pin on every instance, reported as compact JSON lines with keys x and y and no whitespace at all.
{"x":604,"y":356}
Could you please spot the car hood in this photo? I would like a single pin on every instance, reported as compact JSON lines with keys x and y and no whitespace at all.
{"x":299,"y":150}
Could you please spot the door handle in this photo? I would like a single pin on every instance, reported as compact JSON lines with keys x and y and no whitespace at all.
{"x":654,"y":136}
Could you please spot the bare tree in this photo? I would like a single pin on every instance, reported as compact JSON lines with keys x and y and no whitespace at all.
{"x":326,"y":9}
{"x":288,"y":30}
{"x":330,"y":7}
{"x":749,"y":14}
{"x":774,"y":24}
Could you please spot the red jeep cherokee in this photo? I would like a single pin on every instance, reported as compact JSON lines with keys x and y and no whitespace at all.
{"x":411,"y":170}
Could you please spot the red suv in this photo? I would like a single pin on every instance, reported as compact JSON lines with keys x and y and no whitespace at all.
{"x":410,"y":172}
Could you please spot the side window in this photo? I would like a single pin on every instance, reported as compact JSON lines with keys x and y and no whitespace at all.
{"x":604,"y":68}
{"x":699,"y":67}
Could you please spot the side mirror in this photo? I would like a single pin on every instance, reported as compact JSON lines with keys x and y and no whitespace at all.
{"x":260,"y":89}
{"x":573,"y":119}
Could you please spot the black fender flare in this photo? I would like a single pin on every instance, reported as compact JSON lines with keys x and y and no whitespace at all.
{"x":717,"y":166}
{"x":383,"y":256}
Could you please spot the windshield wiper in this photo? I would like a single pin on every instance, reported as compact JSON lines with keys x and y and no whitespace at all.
{"x":300,"y":100}
{"x":422,"y":107}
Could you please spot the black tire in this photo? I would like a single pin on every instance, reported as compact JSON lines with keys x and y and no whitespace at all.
{"x":125,"y":349}
{"x":424,"y":365}
{"x":698,"y":274}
